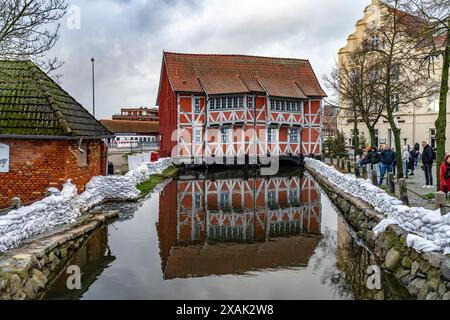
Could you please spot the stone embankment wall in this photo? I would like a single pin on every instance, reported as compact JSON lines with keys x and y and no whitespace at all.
{"x":26,"y":272}
{"x":425,"y":275}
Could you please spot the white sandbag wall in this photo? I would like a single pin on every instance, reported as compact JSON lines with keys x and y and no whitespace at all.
{"x":135,"y":161}
{"x":64,"y":208}
{"x":430,"y":230}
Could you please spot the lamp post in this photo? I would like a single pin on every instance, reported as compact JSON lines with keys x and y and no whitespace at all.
{"x":93,"y":87}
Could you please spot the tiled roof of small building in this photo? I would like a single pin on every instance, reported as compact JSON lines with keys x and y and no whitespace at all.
{"x":31,"y":103}
{"x":228,"y":74}
{"x":130,"y":126}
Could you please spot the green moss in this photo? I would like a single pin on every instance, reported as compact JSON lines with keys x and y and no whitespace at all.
{"x":147,"y":186}
{"x":430,"y":195}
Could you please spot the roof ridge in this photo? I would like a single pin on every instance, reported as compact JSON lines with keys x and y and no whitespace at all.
{"x":40,"y":79}
{"x":233,"y":55}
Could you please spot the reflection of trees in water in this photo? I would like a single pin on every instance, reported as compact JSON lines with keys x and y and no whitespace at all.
{"x":348,"y":278}
{"x":325,"y":254}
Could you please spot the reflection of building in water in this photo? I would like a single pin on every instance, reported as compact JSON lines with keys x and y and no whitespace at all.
{"x":196,"y":215}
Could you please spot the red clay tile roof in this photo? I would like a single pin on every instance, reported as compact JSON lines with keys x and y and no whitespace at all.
{"x":282,"y":88}
{"x":228,"y":74}
{"x":129,"y":126}
{"x":215,"y":85}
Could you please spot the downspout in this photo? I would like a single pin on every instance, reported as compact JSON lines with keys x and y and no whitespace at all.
{"x":80,"y":141}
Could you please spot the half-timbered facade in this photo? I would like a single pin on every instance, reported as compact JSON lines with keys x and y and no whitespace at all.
{"x":207,"y":213}
{"x":233,"y":106}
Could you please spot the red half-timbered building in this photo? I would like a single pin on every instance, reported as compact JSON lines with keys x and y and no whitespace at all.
{"x":234,"y":106}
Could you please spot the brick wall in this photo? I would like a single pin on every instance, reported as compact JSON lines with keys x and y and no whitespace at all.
{"x":36,"y":165}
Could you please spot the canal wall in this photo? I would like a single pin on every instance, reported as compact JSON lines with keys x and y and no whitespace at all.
{"x":67,"y":205}
{"x":26,"y":272}
{"x":409,"y":258}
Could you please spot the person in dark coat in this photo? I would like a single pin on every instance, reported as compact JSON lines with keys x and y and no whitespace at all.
{"x":387,"y":158}
{"x":412,"y":160}
{"x":444,"y":173}
{"x":416,"y":153}
{"x":427,"y":161}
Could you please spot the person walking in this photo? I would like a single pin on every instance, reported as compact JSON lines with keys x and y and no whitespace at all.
{"x":405,"y":160}
{"x":387,"y":158}
{"x":427,"y":164}
{"x":444,"y":172}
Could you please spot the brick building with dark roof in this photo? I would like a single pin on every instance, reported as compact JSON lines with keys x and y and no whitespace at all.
{"x":199,"y":93}
{"x":46,"y":136}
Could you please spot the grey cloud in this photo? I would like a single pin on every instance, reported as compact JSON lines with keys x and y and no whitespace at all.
{"x":127,"y":38}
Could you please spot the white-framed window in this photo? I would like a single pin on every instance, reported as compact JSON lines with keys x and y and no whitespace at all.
{"x":394,"y":102}
{"x":286,"y":105}
{"x":225,"y":200}
{"x":197,"y":201}
{"x":271,"y":198}
{"x":433,"y":138}
{"x":197,"y":135}
{"x":197,"y":105}
{"x":375,"y":40}
{"x":251,"y":101}
{"x":224,"y":134}
{"x":272,"y":135}
{"x":293,"y":135}
{"x":293,"y":196}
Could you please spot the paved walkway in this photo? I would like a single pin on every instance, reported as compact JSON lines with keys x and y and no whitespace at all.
{"x":416,"y":194}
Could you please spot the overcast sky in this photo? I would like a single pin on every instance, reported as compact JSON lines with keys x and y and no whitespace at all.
{"x":127,"y":38}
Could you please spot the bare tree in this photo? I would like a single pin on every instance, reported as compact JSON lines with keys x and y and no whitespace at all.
{"x":341,"y":82}
{"x":435,"y":37}
{"x":29,"y":29}
{"x":353,"y":81}
{"x":403,"y":81}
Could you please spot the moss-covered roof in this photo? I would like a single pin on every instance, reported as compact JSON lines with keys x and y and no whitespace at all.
{"x":31,"y":103}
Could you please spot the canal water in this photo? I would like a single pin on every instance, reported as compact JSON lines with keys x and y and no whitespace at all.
{"x":227,"y":236}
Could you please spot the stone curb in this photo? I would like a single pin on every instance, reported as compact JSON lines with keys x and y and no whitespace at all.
{"x":25,"y":272}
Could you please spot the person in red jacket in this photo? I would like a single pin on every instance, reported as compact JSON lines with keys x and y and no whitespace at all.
{"x":445,"y":174}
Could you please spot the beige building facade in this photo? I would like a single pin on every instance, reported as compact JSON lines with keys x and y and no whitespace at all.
{"x":416,"y":121}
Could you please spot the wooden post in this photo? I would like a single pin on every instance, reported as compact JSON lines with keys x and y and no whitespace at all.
{"x":338,"y":162}
{"x":349,"y":166}
{"x":391,"y":182}
{"x":374,"y":177}
{"x":331,"y":160}
{"x":403,"y":191}
{"x":440,"y":201}
{"x":16,"y":203}
{"x":364,"y":172}
{"x":357,"y":173}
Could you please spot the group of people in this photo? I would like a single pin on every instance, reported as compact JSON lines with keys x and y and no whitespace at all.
{"x":383,"y":159}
